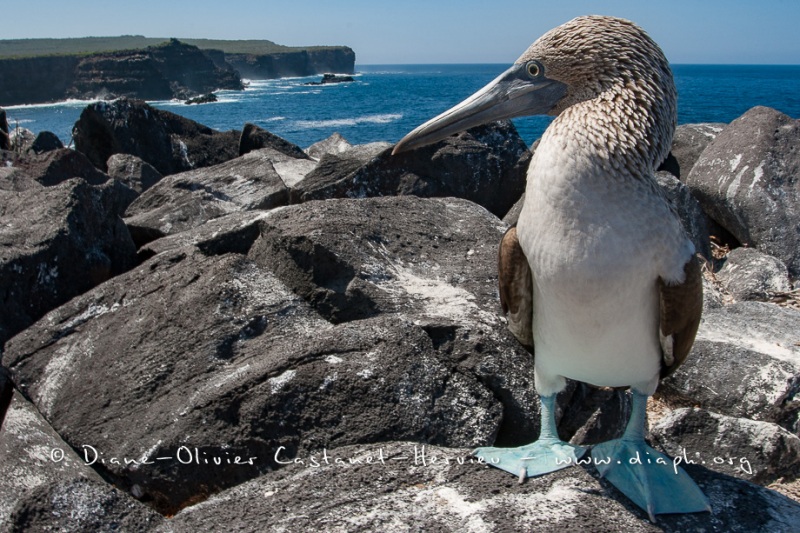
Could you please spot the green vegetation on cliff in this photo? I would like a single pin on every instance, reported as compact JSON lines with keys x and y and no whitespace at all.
{"x":92,"y":45}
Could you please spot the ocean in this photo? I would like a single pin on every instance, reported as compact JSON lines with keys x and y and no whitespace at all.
{"x":387,"y":101}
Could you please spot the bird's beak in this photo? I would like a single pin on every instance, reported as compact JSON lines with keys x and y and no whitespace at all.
{"x":514,"y":93}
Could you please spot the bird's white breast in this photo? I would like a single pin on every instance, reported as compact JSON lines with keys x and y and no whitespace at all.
{"x":597,"y":239}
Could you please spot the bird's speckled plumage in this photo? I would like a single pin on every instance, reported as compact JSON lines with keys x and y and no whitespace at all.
{"x":620,"y":94}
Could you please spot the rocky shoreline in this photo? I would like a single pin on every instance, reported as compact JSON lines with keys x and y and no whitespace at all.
{"x":209,"y":330}
{"x":171,"y":70}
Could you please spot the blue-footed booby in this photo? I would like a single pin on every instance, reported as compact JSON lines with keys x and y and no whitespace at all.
{"x":598,"y":276}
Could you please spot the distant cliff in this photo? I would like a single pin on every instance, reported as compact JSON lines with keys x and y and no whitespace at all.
{"x":169,"y":70}
{"x":172,"y":69}
{"x":339,"y":60}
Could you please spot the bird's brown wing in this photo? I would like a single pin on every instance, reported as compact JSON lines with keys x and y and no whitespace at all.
{"x":680,"y":309}
{"x":516,"y":288}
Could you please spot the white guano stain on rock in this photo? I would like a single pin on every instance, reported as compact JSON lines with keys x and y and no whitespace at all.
{"x":278,"y":382}
{"x":758,"y":173}
{"x":59,"y":369}
{"x":733,"y":187}
{"x":438,"y":297}
{"x":735,"y":162}
{"x":449,"y":500}
{"x":236,"y":374}
{"x":752,"y":339}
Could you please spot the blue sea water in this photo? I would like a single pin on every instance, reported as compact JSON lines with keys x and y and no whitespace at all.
{"x":387,"y":101}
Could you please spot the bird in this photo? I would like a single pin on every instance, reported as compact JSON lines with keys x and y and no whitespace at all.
{"x":598,"y":277}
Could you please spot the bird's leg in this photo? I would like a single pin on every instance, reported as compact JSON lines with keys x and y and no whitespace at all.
{"x":649,"y":478}
{"x":547,"y":454}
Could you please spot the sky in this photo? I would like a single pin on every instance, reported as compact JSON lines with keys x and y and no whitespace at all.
{"x":427,"y":31}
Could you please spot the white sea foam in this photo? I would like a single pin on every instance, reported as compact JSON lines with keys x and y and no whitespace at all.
{"x":63,"y":103}
{"x":385,"y":118}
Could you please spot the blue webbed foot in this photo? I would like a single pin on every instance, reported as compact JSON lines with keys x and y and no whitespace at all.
{"x":649,"y":478}
{"x":547,"y":454}
{"x":540,"y":457}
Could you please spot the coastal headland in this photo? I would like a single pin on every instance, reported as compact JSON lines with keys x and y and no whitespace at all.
{"x":47,"y":70}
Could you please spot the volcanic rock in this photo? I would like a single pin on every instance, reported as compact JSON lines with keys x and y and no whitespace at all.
{"x":750,"y":275}
{"x":183,"y":201}
{"x":688,"y":143}
{"x":746,"y":179}
{"x":6,"y":393}
{"x":167,"y":141}
{"x":402,"y":486}
{"x":12,"y":177}
{"x":81,"y":505}
{"x":33,"y":455}
{"x":486,"y":165}
{"x":335,"y":144}
{"x":346,"y":322}
{"x":132,"y":171}
{"x":745,"y":363}
{"x":761,"y":452}
{"x":53,"y":167}
{"x":45,"y":142}
{"x":57,"y":242}
{"x":694,"y":220}
{"x":5,"y":143}
{"x":204,"y":99}
{"x":331,"y":78}
{"x":255,"y":138}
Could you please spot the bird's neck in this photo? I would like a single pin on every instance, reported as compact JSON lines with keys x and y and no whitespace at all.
{"x":620,"y":131}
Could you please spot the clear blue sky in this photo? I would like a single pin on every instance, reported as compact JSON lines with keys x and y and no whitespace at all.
{"x":427,"y":31}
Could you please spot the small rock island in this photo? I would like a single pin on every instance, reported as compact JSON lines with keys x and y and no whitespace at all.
{"x":331,"y":78}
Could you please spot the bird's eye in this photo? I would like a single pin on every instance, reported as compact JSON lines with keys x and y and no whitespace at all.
{"x":534,"y":69}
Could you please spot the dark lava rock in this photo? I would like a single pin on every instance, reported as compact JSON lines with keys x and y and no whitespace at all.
{"x":760,"y":452}
{"x":81,"y":505}
{"x":33,"y":455}
{"x":746,"y":179}
{"x":234,"y":233}
{"x":57,"y":242}
{"x":688,"y":143}
{"x":331,"y":78}
{"x":750,"y":275}
{"x":255,"y":138}
{"x":132,"y":171}
{"x":745,"y":363}
{"x":59,"y":165}
{"x":205,"y":99}
{"x":189,"y":199}
{"x":512,"y":217}
{"x":391,"y":487}
{"x":45,"y":142}
{"x":335,"y":144}
{"x":346,"y":322}
{"x":6,"y":393}
{"x":5,"y":143}
{"x":13,"y":178}
{"x":167,"y":141}
{"x":695,"y":221}
{"x":592,"y":415}
{"x":486,"y":165}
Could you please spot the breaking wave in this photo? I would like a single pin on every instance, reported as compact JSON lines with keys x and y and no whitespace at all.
{"x":354,"y":121}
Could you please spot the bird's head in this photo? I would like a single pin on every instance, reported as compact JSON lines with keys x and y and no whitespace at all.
{"x":587,"y":59}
